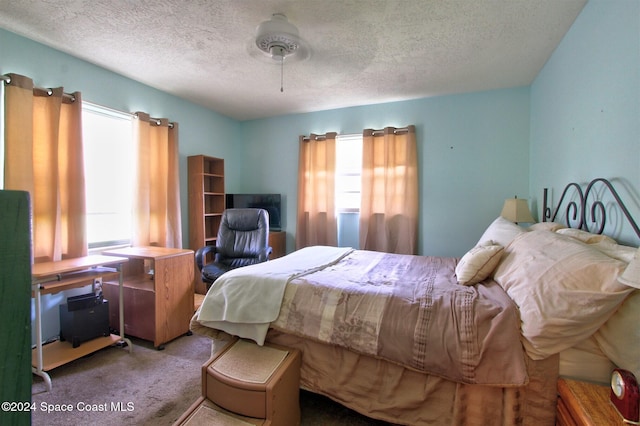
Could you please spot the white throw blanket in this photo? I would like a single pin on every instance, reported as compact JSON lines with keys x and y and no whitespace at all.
{"x":244,"y":301}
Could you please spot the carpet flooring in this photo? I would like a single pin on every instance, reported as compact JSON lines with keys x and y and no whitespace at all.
{"x":148,"y":387}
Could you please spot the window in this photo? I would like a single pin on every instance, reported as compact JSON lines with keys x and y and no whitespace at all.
{"x":348,"y":188}
{"x":348,"y":173}
{"x":108,"y":161}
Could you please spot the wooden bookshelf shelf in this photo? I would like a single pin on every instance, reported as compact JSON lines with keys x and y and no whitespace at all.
{"x":206,"y":204}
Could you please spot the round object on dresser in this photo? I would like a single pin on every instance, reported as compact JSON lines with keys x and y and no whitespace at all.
{"x":625,"y":395}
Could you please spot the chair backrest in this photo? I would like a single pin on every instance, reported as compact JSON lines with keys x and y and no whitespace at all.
{"x":243,"y":237}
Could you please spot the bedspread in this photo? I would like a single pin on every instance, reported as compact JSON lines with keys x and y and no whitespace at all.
{"x":409,"y":310}
{"x":244,"y":301}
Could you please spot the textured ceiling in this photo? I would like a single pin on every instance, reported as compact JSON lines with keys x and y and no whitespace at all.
{"x":362,"y":51}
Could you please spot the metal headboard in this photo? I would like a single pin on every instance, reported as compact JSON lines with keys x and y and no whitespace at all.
{"x":581,"y":210}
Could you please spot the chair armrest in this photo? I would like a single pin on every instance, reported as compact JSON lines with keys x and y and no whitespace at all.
{"x":263,"y":255}
{"x":202,"y":253}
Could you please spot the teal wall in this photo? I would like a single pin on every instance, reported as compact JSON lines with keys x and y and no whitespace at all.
{"x":202,"y":131}
{"x":472,"y":148}
{"x":585,"y":105}
{"x":579,"y":119}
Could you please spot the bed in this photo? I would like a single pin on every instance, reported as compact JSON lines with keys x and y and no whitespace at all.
{"x":475,"y":340}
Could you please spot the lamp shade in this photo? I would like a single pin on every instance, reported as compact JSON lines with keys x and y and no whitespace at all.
{"x":631,"y":275}
{"x":517,"y":210}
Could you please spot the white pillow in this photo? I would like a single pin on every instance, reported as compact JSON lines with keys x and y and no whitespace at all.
{"x":619,"y":337}
{"x":586,"y":361}
{"x":617,"y":251}
{"x":586,"y":237}
{"x":501,"y":231}
{"x":564,"y":288}
{"x":478,"y":263}
{"x":546,"y":226}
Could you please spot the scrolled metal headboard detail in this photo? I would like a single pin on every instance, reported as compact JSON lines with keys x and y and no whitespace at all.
{"x":578,"y":210}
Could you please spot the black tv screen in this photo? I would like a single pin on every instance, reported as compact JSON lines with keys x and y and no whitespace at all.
{"x":270,"y":202}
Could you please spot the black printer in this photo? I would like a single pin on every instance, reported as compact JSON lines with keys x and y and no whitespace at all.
{"x":83,"y":318}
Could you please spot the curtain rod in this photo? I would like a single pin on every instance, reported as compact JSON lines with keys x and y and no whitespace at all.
{"x":396,"y":130}
{"x":157,"y":121}
{"x":48,"y":91}
{"x":373,"y":132}
{"x":317,"y":138}
{"x":97,"y":107}
{"x":7,"y":80}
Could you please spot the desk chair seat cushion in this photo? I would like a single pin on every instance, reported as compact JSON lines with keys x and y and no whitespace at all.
{"x":213,"y":271}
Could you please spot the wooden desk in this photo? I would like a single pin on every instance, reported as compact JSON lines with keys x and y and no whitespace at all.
{"x":158,"y":292}
{"x":53,"y":277}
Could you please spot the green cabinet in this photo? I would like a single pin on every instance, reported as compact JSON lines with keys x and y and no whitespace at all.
{"x":15,"y":306}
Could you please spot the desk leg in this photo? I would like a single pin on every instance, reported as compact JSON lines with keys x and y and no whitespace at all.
{"x":121,"y":307}
{"x":39,"y":362}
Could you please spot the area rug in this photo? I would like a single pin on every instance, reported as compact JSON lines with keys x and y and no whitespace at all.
{"x":148,"y":387}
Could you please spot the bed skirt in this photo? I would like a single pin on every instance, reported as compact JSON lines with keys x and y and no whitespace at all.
{"x":389,"y":392}
{"x":386,"y":391}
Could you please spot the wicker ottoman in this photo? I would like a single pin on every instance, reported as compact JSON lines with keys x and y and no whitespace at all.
{"x":246,"y":382}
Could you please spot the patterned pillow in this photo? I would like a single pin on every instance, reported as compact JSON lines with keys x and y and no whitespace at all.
{"x":478,"y":263}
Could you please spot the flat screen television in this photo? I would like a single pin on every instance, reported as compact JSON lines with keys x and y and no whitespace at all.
{"x":270,"y":202}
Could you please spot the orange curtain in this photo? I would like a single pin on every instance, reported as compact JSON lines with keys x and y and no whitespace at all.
{"x":317,"y":222}
{"x":43,"y":155}
{"x":156,"y":204}
{"x":389,"y":206}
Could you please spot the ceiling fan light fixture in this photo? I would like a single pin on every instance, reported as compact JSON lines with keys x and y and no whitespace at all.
{"x":277,"y":37}
{"x":278,"y":52}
